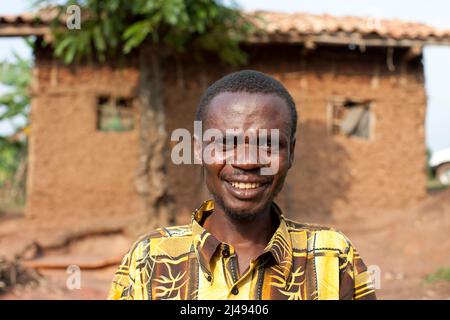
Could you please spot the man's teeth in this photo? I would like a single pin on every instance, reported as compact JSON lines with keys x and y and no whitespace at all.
{"x":242,"y":185}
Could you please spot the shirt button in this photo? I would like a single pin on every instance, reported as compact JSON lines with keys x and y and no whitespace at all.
{"x":226,"y":251}
{"x":235,"y":291}
{"x":209,"y":278}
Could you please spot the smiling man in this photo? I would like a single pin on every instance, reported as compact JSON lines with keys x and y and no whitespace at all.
{"x":239,"y":244}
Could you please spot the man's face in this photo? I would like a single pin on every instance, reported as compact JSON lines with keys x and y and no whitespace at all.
{"x":238,"y":186}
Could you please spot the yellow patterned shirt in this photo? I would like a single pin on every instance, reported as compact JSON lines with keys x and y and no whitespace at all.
{"x":301,"y":262}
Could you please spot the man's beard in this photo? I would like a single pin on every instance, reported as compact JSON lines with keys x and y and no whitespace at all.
{"x":240,"y":216}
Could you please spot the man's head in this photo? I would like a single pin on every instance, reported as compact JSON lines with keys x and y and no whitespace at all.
{"x":248,"y":101}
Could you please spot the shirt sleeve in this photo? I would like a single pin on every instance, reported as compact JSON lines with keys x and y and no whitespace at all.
{"x":122,"y":284}
{"x":356,"y":281}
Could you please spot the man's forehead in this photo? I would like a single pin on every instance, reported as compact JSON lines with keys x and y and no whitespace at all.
{"x":242,"y":110}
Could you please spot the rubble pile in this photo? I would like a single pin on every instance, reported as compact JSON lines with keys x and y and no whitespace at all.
{"x":13,"y":275}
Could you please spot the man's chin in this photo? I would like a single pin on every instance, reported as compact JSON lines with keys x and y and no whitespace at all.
{"x":243,"y":213}
{"x":242,"y":216}
{"x":239,"y":210}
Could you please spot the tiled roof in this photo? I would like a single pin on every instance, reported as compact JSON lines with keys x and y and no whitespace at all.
{"x":26,"y":24}
{"x":290,"y":27}
{"x":304,"y":23}
{"x":42,"y":17}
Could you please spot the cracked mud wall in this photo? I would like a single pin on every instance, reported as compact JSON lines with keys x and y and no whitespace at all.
{"x":78,"y":171}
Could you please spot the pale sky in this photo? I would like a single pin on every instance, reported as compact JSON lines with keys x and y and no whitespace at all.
{"x":437,"y":59}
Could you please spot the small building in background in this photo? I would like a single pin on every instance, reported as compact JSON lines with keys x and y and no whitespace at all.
{"x":359,"y":88}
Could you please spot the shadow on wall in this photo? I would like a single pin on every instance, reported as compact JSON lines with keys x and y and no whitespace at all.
{"x":320,"y":176}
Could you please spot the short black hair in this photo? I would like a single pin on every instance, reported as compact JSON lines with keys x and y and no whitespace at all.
{"x":250,"y":81}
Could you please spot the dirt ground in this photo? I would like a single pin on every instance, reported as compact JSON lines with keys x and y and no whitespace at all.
{"x":404,"y":245}
{"x":407,"y":246}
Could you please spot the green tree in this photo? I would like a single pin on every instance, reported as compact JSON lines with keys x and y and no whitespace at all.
{"x":152,"y":30}
{"x":14,"y":103}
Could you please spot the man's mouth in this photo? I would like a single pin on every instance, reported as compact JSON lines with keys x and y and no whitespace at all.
{"x":246,"y":190}
{"x":245,"y":185}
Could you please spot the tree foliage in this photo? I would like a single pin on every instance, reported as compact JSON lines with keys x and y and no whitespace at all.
{"x":116,"y":27}
{"x":16,"y":77}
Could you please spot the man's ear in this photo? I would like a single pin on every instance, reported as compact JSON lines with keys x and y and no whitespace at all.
{"x":198,"y":150}
{"x":292,"y":151}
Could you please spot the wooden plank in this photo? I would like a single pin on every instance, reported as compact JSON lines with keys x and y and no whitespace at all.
{"x":23,"y":30}
{"x":345,"y":39}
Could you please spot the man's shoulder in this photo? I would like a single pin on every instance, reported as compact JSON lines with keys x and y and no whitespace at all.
{"x":318,"y":236}
{"x":171,"y":241}
{"x":167,"y":232}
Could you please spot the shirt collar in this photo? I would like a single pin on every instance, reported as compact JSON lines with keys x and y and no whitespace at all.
{"x":205,"y":244}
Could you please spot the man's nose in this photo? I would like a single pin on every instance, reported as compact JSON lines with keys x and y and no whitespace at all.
{"x":246,"y":158}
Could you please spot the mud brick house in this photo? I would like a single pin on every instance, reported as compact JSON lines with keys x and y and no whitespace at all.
{"x":358,"y":84}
